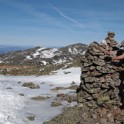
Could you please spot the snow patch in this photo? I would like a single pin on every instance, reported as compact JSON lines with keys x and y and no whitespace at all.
{"x":28,"y":57}
{"x":10,"y":103}
{"x":45,"y":53}
{"x":74,"y":51}
{"x":83,"y":52}
{"x":1,"y":61}
{"x":40,"y":49}
{"x":69,"y":49}
{"x":49,"y":53}
{"x":36,"y":54}
{"x":59,"y":61}
{"x":44,"y":62}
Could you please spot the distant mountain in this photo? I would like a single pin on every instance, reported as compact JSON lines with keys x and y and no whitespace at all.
{"x":7,"y":48}
{"x":43,"y":55}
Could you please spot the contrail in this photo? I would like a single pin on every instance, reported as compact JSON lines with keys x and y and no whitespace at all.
{"x":66,"y":17}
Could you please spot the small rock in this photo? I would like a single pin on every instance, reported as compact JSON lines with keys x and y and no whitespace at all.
{"x":80,"y":105}
{"x":9,"y":88}
{"x":73,"y":83}
{"x":85,"y":116}
{"x":122,"y":112}
{"x":119,"y":117}
{"x":116,"y":111}
{"x":73,"y":87}
{"x":56,"y":103}
{"x":39,"y":98}
{"x":19,"y":82}
{"x":67,"y":72}
{"x":31,"y":85}
{"x":31,"y":117}
{"x":60,"y":95}
{"x":94,"y":116}
{"x":21,"y":94}
{"x":110,"y":118}
{"x":57,"y":88}
{"x":42,"y":83}
{"x":100,"y":62}
{"x":103,"y":120}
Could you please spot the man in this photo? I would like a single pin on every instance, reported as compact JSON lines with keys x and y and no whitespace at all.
{"x":122,"y":45}
{"x":120,"y":54}
{"x":118,"y":57}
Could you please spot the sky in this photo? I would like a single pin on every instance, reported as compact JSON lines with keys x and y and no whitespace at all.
{"x":59,"y":22}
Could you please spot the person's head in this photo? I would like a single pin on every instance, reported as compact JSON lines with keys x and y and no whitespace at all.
{"x":122,"y":43}
{"x":111,"y":34}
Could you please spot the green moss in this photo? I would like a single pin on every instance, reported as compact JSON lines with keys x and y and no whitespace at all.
{"x":103,"y":99}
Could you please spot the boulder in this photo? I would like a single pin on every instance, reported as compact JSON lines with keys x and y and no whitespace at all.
{"x":101,"y":86}
{"x":31,"y":85}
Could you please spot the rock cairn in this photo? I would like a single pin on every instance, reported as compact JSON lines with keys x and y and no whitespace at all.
{"x":99,"y":94}
{"x":99,"y":89}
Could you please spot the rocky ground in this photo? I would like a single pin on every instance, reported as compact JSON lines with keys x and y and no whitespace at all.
{"x":100,"y":96}
{"x":82,"y":115}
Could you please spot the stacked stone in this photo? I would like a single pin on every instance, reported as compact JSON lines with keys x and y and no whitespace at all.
{"x":100,"y":80}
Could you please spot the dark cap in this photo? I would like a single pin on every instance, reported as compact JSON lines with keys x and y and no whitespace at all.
{"x":111,"y":33}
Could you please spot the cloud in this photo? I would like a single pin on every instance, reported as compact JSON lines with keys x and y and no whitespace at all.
{"x":67,"y":17}
{"x":42,"y":17}
{"x":35,"y":16}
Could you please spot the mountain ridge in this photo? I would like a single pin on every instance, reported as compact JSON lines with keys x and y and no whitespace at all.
{"x":43,"y":57}
{"x":44,"y":53}
{"x":7,"y":48}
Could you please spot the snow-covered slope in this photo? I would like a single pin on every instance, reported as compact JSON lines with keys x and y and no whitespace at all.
{"x":45,"y":53}
{"x":14,"y":108}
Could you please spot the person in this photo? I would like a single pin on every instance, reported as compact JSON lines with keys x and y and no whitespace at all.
{"x":119,"y":55}
{"x":121,"y":49}
{"x":122,"y":45}
{"x":120,"y":69}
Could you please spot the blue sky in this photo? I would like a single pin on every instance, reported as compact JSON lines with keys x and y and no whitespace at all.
{"x":59,"y":22}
